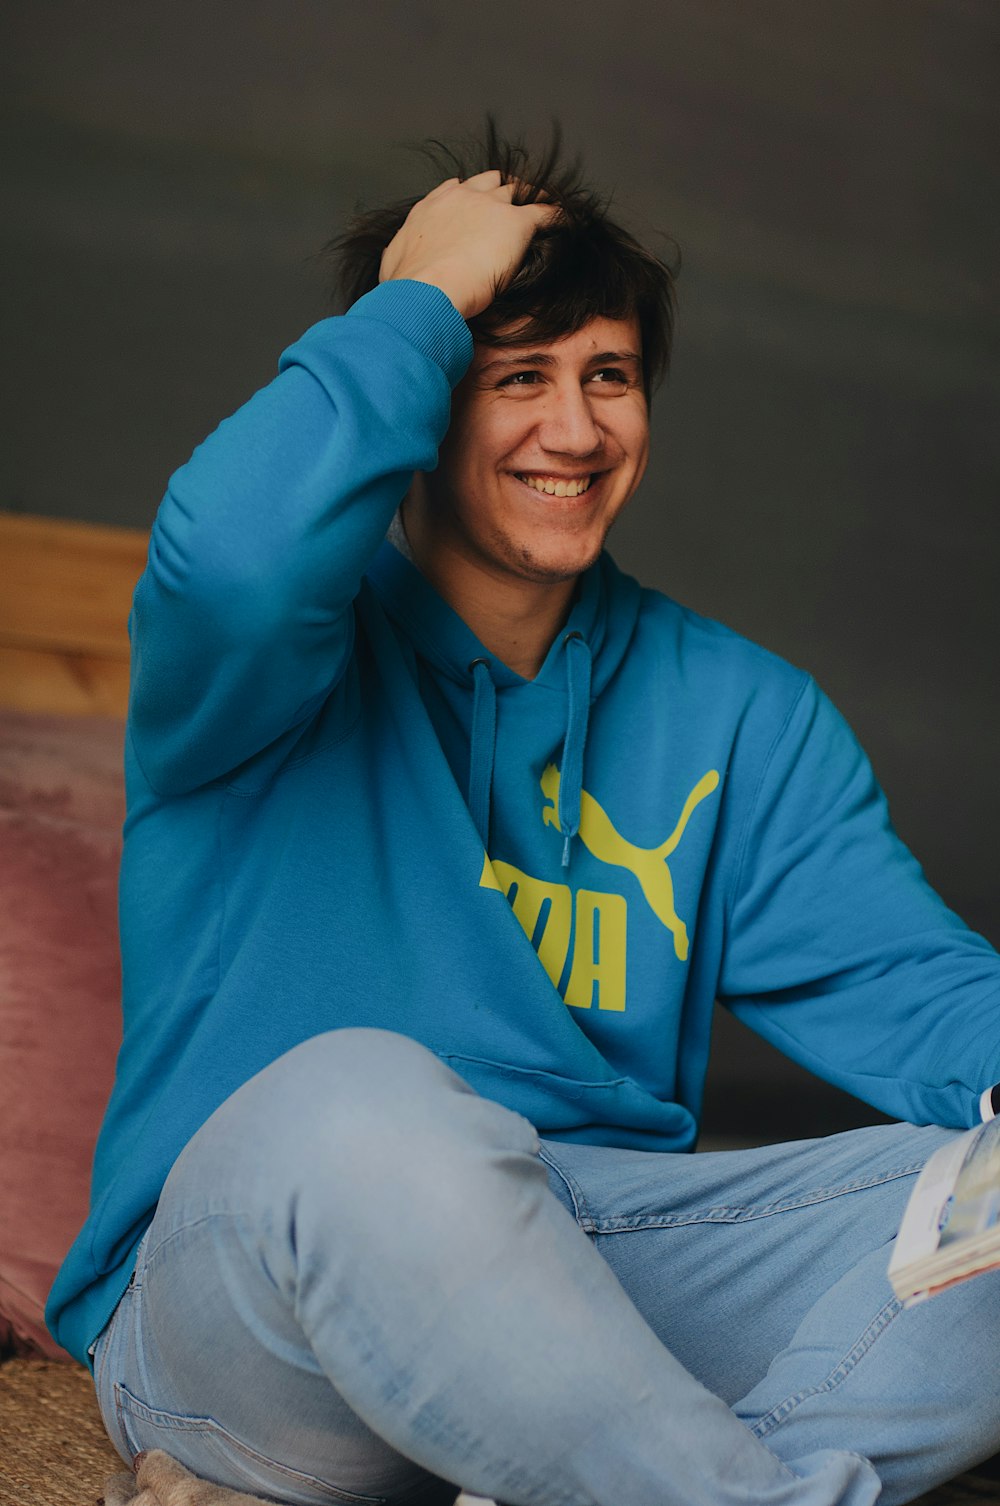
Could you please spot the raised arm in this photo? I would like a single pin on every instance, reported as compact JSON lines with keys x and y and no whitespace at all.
{"x":242,"y":621}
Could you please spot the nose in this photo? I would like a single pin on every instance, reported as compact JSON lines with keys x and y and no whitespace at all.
{"x":568,"y":426}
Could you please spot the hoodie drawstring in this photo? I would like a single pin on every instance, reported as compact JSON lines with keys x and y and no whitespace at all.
{"x":483,"y":747}
{"x":483,"y":742}
{"x":578,"y":663}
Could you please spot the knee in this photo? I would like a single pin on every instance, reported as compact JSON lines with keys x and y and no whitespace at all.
{"x":357,"y":1082}
{"x":360,"y":1103}
{"x":349,"y":1138}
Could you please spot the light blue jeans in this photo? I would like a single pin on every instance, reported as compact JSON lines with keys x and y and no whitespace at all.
{"x":366,"y":1283}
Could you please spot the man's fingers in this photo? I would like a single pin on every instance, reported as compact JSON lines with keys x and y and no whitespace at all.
{"x":436,"y":193}
{"x":545,"y":214}
{"x":485,"y":182}
{"x":467,"y":238}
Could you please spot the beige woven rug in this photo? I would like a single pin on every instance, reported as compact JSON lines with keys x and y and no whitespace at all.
{"x":54,"y":1451}
{"x":53,"y":1447}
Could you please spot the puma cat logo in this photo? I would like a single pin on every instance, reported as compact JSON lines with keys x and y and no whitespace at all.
{"x":647,"y":864}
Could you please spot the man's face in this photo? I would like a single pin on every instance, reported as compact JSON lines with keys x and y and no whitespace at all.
{"x":546,"y":445}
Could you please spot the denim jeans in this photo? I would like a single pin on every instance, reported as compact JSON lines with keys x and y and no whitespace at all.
{"x":365,"y":1283}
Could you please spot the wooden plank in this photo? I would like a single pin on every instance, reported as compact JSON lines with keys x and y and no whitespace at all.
{"x":67,"y":586}
{"x":66,"y":683}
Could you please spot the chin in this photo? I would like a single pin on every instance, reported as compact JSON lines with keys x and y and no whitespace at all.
{"x":551,"y":566}
{"x":545,"y":555}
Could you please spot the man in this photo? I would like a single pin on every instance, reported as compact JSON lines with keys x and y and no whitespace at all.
{"x":439,"y":848}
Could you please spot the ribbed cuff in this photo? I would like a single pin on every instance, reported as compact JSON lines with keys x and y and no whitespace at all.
{"x":426,"y":317}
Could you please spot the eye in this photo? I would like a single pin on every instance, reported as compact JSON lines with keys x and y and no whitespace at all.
{"x":520,"y":379}
{"x":610,"y":376}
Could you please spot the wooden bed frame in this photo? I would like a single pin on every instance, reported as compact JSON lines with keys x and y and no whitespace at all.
{"x":64,"y":604}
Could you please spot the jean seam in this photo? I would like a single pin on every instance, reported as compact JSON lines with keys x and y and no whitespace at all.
{"x":178,"y":1229}
{"x":101,"y":1365}
{"x":766,"y":1425}
{"x":119,"y":1417}
{"x":725,"y":1214}
{"x":580,"y":1210}
{"x":139,"y":1264}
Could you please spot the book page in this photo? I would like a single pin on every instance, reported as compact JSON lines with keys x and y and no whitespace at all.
{"x":927,"y":1211}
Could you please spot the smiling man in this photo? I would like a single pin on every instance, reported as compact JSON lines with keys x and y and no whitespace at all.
{"x":443,"y":836}
{"x":545,"y":449}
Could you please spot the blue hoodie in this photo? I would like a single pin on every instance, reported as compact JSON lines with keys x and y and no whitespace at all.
{"x":343,"y":810}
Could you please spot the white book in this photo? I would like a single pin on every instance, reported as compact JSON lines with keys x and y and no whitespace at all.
{"x":951,"y":1227}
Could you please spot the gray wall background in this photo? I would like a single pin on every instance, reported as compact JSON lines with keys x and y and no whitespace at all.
{"x":826,"y":454}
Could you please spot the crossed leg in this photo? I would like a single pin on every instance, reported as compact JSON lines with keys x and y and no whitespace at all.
{"x":359,"y":1286}
{"x":764,"y":1272}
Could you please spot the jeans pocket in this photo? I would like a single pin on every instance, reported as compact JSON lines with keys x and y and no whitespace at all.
{"x":202,"y":1445}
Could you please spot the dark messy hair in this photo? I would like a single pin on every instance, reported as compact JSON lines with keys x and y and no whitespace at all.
{"x":581,"y":267}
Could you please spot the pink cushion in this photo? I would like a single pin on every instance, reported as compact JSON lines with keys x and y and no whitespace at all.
{"x":61,"y":808}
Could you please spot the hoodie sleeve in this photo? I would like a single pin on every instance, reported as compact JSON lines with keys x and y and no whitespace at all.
{"x":839,"y":952}
{"x":242,"y":620}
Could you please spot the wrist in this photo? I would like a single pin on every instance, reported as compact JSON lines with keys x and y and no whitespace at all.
{"x":453,"y":282}
{"x":425,"y":316}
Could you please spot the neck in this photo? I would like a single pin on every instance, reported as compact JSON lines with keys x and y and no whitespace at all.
{"x":515,"y":619}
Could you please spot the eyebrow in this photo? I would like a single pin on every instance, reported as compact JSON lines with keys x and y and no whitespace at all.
{"x":542,"y":358}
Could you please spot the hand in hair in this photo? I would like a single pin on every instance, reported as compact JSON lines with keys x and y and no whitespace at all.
{"x":466,"y":238}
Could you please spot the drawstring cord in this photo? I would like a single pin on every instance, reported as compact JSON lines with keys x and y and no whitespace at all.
{"x":483,"y":742}
{"x":578,"y":664}
{"x":483,"y":746}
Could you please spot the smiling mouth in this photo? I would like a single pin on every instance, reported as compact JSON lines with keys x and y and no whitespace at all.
{"x":556,"y":486}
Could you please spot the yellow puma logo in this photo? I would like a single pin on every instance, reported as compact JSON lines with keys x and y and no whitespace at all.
{"x":648,"y":864}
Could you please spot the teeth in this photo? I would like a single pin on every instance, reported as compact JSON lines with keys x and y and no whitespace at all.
{"x":554,"y":487}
